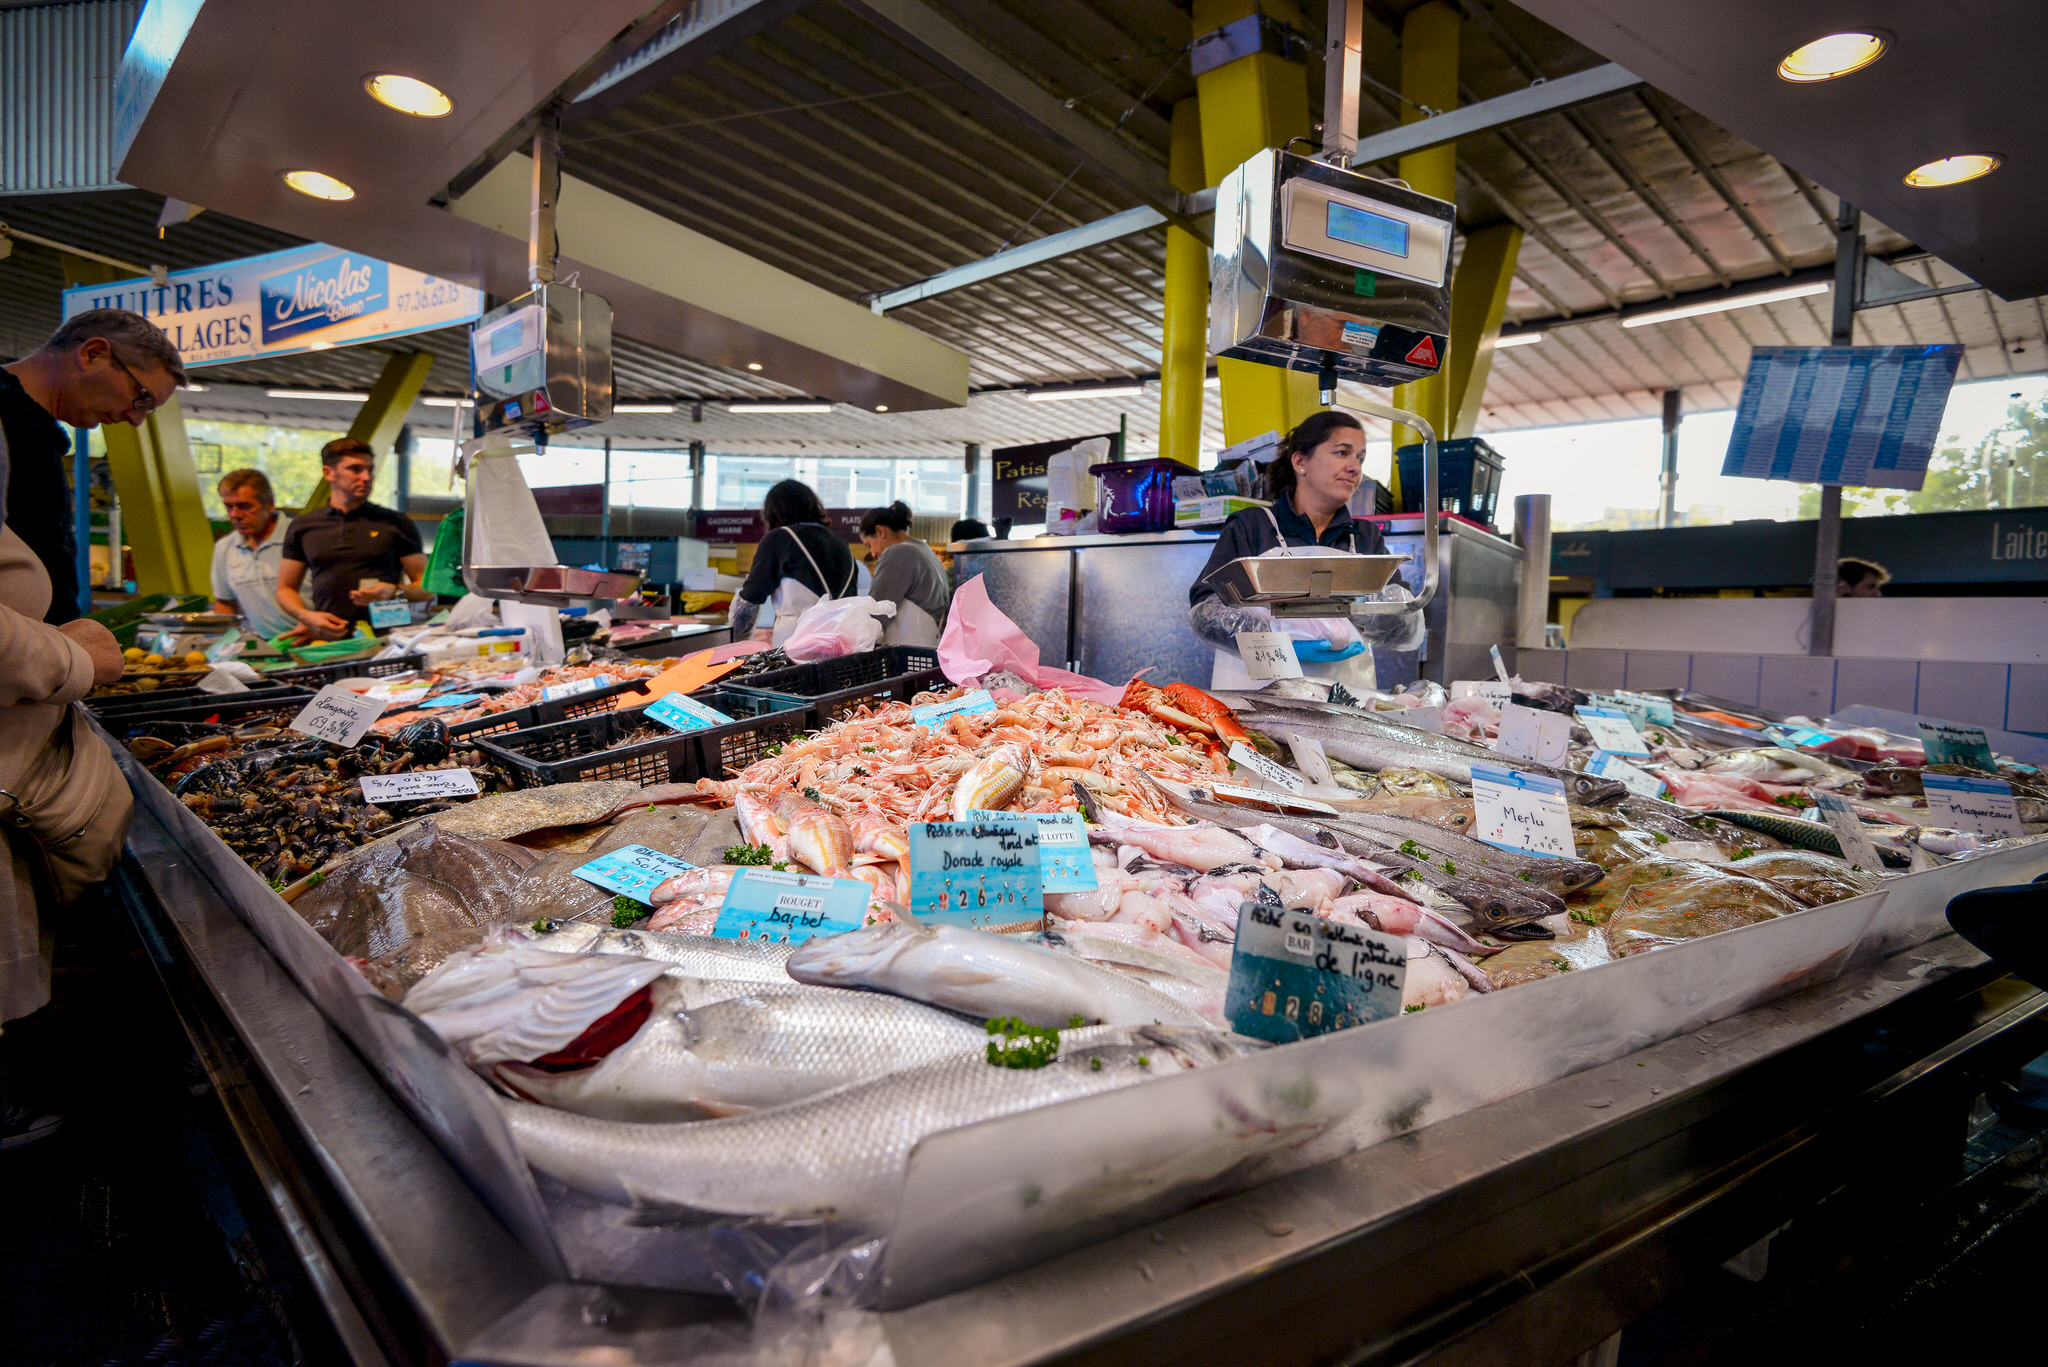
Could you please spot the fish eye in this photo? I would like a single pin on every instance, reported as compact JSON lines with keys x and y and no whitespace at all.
{"x":1496,"y":913}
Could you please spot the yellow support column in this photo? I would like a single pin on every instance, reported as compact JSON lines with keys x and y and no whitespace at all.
{"x":1248,"y":105}
{"x":1479,"y":296}
{"x":162,"y":518}
{"x":1429,"y":76}
{"x":1184,"y":332}
{"x":384,"y":412}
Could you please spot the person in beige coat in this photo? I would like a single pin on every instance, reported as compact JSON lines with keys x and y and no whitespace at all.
{"x":64,"y":805}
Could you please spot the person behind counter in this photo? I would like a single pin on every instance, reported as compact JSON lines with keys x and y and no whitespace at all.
{"x":798,"y":563}
{"x":246,"y":562}
{"x":1310,"y":481}
{"x":359,"y":552}
{"x":908,"y":574}
{"x":1860,"y":578}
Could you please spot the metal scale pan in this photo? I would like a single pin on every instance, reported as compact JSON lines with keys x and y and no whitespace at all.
{"x":1305,"y":585}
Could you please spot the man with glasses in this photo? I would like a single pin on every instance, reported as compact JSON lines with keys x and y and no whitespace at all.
{"x":246,"y":561}
{"x":103,"y":365}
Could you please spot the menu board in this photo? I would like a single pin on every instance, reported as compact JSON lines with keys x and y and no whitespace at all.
{"x":1017,"y":476}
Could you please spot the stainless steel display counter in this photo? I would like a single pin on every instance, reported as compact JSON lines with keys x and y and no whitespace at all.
{"x":1527,"y":1230}
{"x":1109,"y":606}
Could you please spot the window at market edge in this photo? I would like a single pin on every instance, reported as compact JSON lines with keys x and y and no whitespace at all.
{"x":290,"y":457}
{"x":1604,"y":475}
{"x":660,"y":479}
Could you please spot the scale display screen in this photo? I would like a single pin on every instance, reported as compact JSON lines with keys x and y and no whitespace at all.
{"x":1360,"y":228}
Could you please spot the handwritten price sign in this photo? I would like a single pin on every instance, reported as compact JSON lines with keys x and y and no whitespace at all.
{"x":1519,"y":811}
{"x":336,"y":715}
{"x":1268,"y":655}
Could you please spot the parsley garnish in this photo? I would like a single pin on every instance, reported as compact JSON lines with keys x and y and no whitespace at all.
{"x":625,"y":911}
{"x":1409,"y":847}
{"x":1017,"y":1045}
{"x":746,"y":854}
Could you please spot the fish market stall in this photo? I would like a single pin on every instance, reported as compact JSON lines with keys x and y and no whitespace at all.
{"x":1525,"y":1162}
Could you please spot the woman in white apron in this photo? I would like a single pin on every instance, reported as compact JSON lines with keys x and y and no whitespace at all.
{"x":799,"y":563}
{"x":908,"y":574}
{"x":1310,"y":482}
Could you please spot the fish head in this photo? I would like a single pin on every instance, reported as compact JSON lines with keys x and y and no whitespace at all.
{"x":856,"y":956}
{"x":1591,"y":791}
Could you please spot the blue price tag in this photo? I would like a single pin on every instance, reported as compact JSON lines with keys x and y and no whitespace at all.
{"x":763,"y":904}
{"x":570,"y":690}
{"x":680,"y":712}
{"x":1798,"y":737}
{"x":980,"y":700}
{"x":1294,"y":975}
{"x":452,"y":700}
{"x":392,"y":612}
{"x":632,"y":870}
{"x":1613,"y":731}
{"x":976,"y":873}
{"x":1953,"y":743}
{"x":1064,"y":864}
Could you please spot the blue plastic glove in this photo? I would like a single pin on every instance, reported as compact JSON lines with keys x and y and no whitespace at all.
{"x":1321,"y":653}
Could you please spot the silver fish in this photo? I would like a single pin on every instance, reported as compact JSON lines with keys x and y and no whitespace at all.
{"x":841,"y":1154}
{"x":1558,"y":875}
{"x":982,"y":975}
{"x":755,"y":1046}
{"x":1196,"y":985}
{"x":699,"y":956}
{"x":1776,"y":764}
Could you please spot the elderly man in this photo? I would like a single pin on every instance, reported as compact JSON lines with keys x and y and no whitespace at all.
{"x":103,"y":365}
{"x":359,"y":552}
{"x":247,"y":560}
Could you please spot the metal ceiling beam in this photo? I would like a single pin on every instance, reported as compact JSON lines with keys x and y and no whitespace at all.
{"x":926,"y":28}
{"x":705,"y":29}
{"x":1526,"y":103}
{"x":1049,"y":248}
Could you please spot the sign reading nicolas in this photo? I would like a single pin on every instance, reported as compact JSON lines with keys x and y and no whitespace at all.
{"x":303,"y":299}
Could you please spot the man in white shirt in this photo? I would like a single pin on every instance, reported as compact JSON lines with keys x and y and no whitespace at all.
{"x":245,"y":561}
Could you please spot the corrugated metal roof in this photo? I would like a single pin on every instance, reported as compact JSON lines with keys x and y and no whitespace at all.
{"x":56,"y":105}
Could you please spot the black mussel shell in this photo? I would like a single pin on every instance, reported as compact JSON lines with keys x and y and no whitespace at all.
{"x":218,"y":778}
{"x":427,"y":739}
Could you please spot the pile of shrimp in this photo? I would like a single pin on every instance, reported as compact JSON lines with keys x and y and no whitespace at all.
{"x":882,"y":764}
{"x":524,"y":694}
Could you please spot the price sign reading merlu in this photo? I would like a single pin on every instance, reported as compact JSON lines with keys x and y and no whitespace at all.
{"x":1521,"y":811}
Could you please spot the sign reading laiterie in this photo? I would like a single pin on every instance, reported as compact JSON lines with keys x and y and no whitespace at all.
{"x":303,"y":299}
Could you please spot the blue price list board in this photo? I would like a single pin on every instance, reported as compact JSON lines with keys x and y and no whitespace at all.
{"x":1064,"y":864}
{"x":1294,"y":975}
{"x":1866,"y":415}
{"x":976,"y":873}
{"x":632,"y":871}
{"x":681,"y":712}
{"x":393,"y":612}
{"x":763,"y":904}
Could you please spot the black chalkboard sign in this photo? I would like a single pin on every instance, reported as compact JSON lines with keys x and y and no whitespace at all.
{"x":1017,"y":476}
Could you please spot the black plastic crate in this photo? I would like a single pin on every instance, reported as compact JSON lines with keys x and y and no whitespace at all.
{"x":319,"y":676}
{"x":579,"y":750}
{"x":1467,"y":478}
{"x":277,"y":707}
{"x":145,"y":704}
{"x":836,"y":687}
{"x":543,"y":713}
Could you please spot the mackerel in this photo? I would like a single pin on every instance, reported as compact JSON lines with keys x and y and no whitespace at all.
{"x":1365,"y":742}
{"x":1558,"y":875}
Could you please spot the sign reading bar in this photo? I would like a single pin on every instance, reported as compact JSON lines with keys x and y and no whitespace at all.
{"x":301,"y":299}
{"x":1294,"y":975}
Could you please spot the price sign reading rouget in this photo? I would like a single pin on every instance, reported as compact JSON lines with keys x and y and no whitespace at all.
{"x":1268,"y":655}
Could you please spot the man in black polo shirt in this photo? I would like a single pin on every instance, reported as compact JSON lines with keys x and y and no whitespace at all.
{"x":359,"y":552}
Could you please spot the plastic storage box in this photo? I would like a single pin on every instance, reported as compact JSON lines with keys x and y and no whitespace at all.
{"x":580,"y":750}
{"x":1468,"y":478}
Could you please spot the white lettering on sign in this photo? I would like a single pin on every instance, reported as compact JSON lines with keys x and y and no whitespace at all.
{"x":1496,"y":694}
{"x":1252,"y":762}
{"x":1950,"y":742}
{"x":1848,"y":828}
{"x":1268,"y":655}
{"x":1533,"y":734}
{"x":336,"y":715}
{"x":422,"y":783}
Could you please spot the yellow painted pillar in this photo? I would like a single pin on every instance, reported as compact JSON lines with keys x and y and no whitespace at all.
{"x":1479,"y":297}
{"x":162,"y":518}
{"x":384,"y":412}
{"x":1184,"y":331}
{"x":1248,"y":105}
{"x":1429,"y":76}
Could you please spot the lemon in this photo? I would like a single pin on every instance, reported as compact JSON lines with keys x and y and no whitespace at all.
{"x":133,"y":653}
{"x":195,"y":657}
{"x":152,"y":662}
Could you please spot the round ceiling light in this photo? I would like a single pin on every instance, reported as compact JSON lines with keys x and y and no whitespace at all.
{"x":407,"y":95}
{"x":753,"y":365}
{"x":1838,"y":54}
{"x":319,"y":185}
{"x":1953,"y":170}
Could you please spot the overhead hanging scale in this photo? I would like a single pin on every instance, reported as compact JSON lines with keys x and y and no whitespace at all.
{"x":541,"y":366}
{"x":1321,"y":268}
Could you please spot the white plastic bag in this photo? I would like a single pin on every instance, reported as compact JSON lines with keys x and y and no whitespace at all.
{"x":837,"y":626}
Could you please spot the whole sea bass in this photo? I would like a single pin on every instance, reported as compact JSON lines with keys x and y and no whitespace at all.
{"x":699,"y":956}
{"x":983,"y":975}
{"x":1365,"y":742}
{"x":843,"y":1154}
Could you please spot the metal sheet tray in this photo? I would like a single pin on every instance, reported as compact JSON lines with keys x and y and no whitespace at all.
{"x":1276,"y":579}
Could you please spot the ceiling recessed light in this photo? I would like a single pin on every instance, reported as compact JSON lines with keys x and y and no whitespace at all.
{"x":1517,"y":339}
{"x":1838,"y":54}
{"x":408,"y":96}
{"x":753,"y":365}
{"x":778,"y":408}
{"x":1953,"y":170}
{"x":319,"y":185}
{"x":881,"y":408}
{"x":320,"y":346}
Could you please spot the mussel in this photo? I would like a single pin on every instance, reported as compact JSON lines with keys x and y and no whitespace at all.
{"x":426,"y":738}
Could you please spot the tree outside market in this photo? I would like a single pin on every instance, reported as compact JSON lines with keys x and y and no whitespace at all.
{"x":2008,"y":468}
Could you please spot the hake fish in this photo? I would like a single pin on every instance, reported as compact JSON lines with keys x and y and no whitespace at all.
{"x":1365,"y":742}
{"x":843,"y":1154}
{"x":699,"y":956}
{"x":983,"y":975}
{"x":1558,"y":875}
{"x":759,"y":1046}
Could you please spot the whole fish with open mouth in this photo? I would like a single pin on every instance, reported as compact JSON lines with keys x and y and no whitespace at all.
{"x":983,"y":975}
{"x":843,"y":1154}
{"x":1560,"y":876}
{"x":1777,"y":764}
{"x":1365,"y":742}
